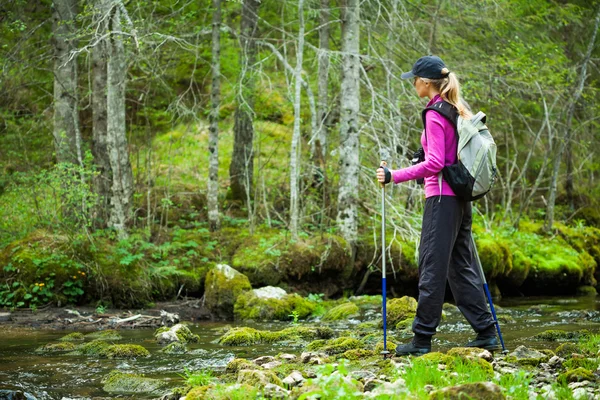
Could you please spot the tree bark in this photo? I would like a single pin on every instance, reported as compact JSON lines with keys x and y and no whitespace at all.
{"x":350,"y":107}
{"x":323,"y":91}
{"x":568,"y":128}
{"x":122,"y":176}
{"x":67,"y":136}
{"x":102,"y":182}
{"x":213,"y":141}
{"x":242,"y":160}
{"x":295,"y":152}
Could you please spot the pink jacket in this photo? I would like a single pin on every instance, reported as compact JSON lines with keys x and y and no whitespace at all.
{"x":440,"y":150}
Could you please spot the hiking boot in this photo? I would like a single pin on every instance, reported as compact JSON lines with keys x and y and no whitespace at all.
{"x":485,"y":342}
{"x":412,"y":349}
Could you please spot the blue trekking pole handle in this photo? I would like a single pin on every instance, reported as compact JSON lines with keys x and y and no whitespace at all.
{"x":383,"y":279}
{"x":487,"y":293}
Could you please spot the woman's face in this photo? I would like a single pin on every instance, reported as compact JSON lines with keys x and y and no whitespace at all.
{"x":421,"y":87}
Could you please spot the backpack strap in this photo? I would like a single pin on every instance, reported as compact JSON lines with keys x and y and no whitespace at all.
{"x":449,"y":112}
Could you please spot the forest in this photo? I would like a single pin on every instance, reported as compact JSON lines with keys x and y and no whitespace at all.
{"x":143,"y":143}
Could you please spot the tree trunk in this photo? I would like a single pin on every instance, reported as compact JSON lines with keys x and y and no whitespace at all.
{"x":213,"y":141}
{"x":122,"y":176}
{"x":295,"y":152}
{"x":568,"y":128}
{"x":67,"y":137}
{"x":350,"y":105}
{"x":242,"y":160}
{"x":323,"y":92}
{"x":102,"y":182}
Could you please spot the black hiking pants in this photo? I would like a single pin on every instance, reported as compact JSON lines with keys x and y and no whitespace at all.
{"x":446,"y":254}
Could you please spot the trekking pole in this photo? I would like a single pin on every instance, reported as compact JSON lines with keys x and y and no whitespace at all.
{"x":487,"y":293}
{"x":385,"y":352}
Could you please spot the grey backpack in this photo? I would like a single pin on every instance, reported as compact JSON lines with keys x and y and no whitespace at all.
{"x":474,"y":173}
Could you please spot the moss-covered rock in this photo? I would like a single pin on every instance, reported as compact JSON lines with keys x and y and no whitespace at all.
{"x":400,"y":309}
{"x":357,"y":354}
{"x":223,"y":286}
{"x":586,"y":290}
{"x":95,"y":348}
{"x":249,"y":306}
{"x":177,"y":333}
{"x":527,"y":357}
{"x":198,"y":393}
{"x":174,"y":348}
{"x":495,"y":255}
{"x":121,"y":383}
{"x":72,"y":337}
{"x":474,"y":391}
{"x":56,"y":347}
{"x":590,"y":364}
{"x":577,"y":375}
{"x":567,"y":349}
{"x":342,"y":312}
{"x":108,"y":334}
{"x":125,"y":351}
{"x":258,"y":378}
{"x":335,"y":346}
{"x":556,"y":335}
{"x":245,"y":336}
{"x":238,"y":364}
{"x":390,"y":346}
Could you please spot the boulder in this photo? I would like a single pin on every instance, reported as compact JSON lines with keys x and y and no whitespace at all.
{"x":342,"y":312}
{"x":223,"y":285}
{"x":525,"y":356}
{"x":257,"y":378}
{"x":270,"y":292}
{"x":250,"y":306}
{"x":400,"y":310}
{"x":15,"y":395}
{"x":121,"y":383}
{"x":474,"y":391}
{"x":177,"y":333}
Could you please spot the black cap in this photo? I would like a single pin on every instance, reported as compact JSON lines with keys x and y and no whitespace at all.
{"x":427,"y":67}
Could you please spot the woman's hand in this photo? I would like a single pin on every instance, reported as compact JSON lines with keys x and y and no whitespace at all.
{"x":384,"y":175}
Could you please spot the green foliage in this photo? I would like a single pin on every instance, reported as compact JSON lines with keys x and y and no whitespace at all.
{"x":198,"y":378}
{"x":332,"y":383}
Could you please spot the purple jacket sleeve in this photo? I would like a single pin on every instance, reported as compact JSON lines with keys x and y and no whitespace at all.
{"x":435,"y":150}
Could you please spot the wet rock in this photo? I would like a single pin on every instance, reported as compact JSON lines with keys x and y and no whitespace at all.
{"x":175,"y":348}
{"x":177,"y":333}
{"x":586,"y":291}
{"x":15,"y":395}
{"x":295,"y":378}
{"x":248,"y":306}
{"x":525,"y":356}
{"x":272,"y":364}
{"x":95,"y":348}
{"x":371,"y":384}
{"x":555,"y":362}
{"x":258,"y":378}
{"x":122,"y":383}
{"x":263,"y":360}
{"x":450,"y":308}
{"x":342,"y":312}
{"x":223,"y":286}
{"x":475,"y":391}
{"x":4,"y":317}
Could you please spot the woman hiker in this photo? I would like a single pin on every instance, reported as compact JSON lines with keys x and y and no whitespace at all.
{"x":445,"y":252}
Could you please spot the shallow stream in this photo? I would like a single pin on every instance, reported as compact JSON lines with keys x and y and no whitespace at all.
{"x":58,"y":376}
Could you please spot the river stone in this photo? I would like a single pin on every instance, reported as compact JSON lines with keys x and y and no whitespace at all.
{"x":272,"y":391}
{"x":582,"y":394}
{"x":362,"y":375}
{"x":272,"y":364}
{"x":223,"y":285}
{"x":475,"y":391}
{"x":525,"y":356}
{"x":257,"y":378}
{"x":371,"y":384}
{"x":287,"y":357}
{"x":177,"y":333}
{"x":393,"y":389}
{"x":293,"y":379}
{"x":4,"y":316}
{"x":123,"y":383}
{"x":15,"y":395}
{"x":263,"y":360}
{"x":313,"y":358}
{"x":471,"y":353}
{"x":270,"y":292}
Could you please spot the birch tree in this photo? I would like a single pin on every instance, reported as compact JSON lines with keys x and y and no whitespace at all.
{"x":120,"y":195}
{"x":242,"y":160}
{"x":213,"y":141}
{"x":295,"y":152}
{"x":350,"y":107}
{"x":67,"y":136}
{"x":568,"y":128}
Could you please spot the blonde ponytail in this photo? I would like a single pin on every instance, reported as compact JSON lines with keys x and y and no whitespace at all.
{"x":449,"y":89}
